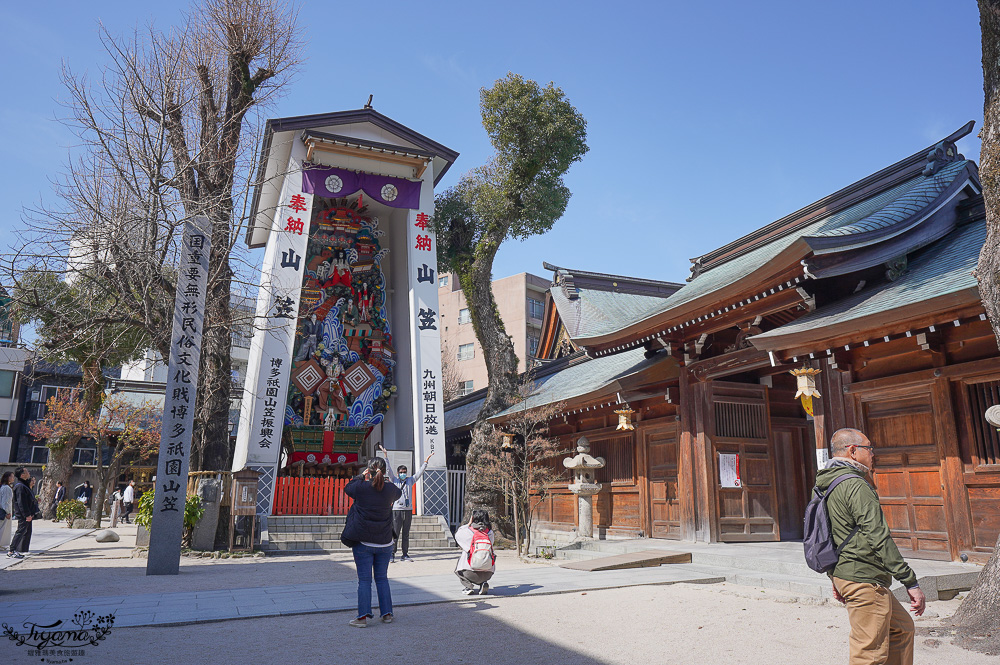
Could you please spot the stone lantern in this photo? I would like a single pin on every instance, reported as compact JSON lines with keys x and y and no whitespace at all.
{"x":583,"y":485}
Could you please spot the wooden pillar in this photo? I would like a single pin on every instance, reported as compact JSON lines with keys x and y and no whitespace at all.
{"x":707,"y":494}
{"x":956,"y":507}
{"x":686,"y":433}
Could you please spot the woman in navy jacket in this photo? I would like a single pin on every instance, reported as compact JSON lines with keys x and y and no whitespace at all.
{"x":368,"y":532}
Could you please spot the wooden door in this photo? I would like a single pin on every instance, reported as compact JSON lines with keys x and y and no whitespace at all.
{"x":661,"y":479}
{"x":792,"y":445}
{"x":740,"y":425}
{"x":908,"y":473}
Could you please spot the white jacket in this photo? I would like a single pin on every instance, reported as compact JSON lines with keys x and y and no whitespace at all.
{"x":406,"y":486}
{"x":463,"y":536}
{"x":7,"y":499}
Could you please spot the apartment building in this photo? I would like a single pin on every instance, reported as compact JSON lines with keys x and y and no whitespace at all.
{"x":521,"y":301}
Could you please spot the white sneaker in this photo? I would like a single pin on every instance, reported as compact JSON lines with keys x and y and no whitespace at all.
{"x":469,"y":592}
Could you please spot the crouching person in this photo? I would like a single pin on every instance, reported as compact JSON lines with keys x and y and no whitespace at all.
{"x":477,"y":562}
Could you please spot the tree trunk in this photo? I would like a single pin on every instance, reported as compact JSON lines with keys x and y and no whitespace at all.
{"x":988,"y":270}
{"x":60,"y":464}
{"x":98,"y":506}
{"x":501,"y":365}
{"x":981,"y":609}
{"x":517,"y":525}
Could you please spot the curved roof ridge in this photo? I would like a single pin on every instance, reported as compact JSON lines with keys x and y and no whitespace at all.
{"x":922,"y":194}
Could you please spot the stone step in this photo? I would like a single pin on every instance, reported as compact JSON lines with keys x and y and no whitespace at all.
{"x":335,"y":519}
{"x":317,"y":546}
{"x":305,"y":537}
{"x":814,"y":586}
{"x":644,"y":559}
{"x":336,"y":530}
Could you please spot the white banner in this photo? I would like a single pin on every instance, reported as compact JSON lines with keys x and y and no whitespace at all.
{"x":425,"y":345}
{"x":262,"y":415}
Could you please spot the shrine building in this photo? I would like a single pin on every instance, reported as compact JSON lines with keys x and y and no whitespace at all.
{"x":867,"y":295}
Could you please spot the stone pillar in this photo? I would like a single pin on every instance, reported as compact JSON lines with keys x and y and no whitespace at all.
{"x":586,"y":516}
{"x":583,"y":466}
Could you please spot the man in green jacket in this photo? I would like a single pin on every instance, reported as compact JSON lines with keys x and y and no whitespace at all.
{"x":881,"y":630}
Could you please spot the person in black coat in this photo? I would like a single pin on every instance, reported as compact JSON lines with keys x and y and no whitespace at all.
{"x":25,"y":507}
{"x":368,"y":532}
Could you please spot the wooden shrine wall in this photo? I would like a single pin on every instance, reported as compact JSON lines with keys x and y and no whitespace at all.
{"x":938,"y":461}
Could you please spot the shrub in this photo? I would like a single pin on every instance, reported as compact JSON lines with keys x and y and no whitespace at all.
{"x":193,"y":510}
{"x":70,"y":510}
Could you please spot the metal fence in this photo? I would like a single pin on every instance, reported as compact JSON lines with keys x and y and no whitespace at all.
{"x":456,"y":495}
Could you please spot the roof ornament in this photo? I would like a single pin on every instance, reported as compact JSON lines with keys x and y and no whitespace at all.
{"x":697,"y":268}
{"x":895,"y":267}
{"x":941,"y":154}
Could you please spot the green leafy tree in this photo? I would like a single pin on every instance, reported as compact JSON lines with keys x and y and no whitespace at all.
{"x":537,"y":135}
{"x":72,"y":325}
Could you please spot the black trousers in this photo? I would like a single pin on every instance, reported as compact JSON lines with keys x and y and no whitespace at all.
{"x":401,"y":520}
{"x":22,"y":537}
{"x":126,"y":511}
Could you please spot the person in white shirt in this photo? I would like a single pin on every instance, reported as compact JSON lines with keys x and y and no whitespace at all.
{"x":402,"y":510}
{"x":475,"y":580}
{"x":128,"y":498}
{"x":7,"y":506}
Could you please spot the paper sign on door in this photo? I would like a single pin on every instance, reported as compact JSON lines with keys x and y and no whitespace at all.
{"x":729,"y":470}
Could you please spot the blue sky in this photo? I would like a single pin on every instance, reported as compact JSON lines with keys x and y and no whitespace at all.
{"x":706,"y":120}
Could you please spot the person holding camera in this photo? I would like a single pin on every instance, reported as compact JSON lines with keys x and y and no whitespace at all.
{"x":368,"y":532}
{"x":477,"y":562}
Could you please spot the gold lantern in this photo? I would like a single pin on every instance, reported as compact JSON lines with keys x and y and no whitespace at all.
{"x":806,"y":384}
{"x":625,"y":418}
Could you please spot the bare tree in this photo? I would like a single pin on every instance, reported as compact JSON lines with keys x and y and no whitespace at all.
{"x":524,"y":470}
{"x":166,"y":134}
{"x":451,"y":376}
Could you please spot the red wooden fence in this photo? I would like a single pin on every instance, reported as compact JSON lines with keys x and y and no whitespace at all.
{"x":314,"y":496}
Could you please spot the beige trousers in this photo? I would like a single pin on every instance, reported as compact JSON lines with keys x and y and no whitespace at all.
{"x":881,"y":628}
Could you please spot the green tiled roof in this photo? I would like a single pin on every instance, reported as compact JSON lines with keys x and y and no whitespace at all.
{"x":944,"y":267}
{"x":464,"y":415}
{"x":586,"y":377}
{"x":924,"y":191}
{"x":892,"y":202}
{"x":596,"y":312}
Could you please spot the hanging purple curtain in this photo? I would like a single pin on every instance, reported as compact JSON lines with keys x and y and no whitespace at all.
{"x":332,"y":182}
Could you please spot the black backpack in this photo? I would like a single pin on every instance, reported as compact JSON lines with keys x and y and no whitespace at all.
{"x":821,"y":554}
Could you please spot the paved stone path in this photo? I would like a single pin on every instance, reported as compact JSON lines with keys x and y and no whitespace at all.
{"x":159,"y":609}
{"x":44,"y":536}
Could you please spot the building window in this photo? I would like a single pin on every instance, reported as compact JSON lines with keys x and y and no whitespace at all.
{"x":464,"y":388}
{"x":464,"y":316}
{"x":85,"y":456}
{"x":39,"y":455}
{"x":241,"y":334}
{"x":443,"y":281}
{"x":535,"y":308}
{"x":7,"y":382}
{"x":466,"y":351}
{"x":48,"y":392}
{"x":532,"y":345}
